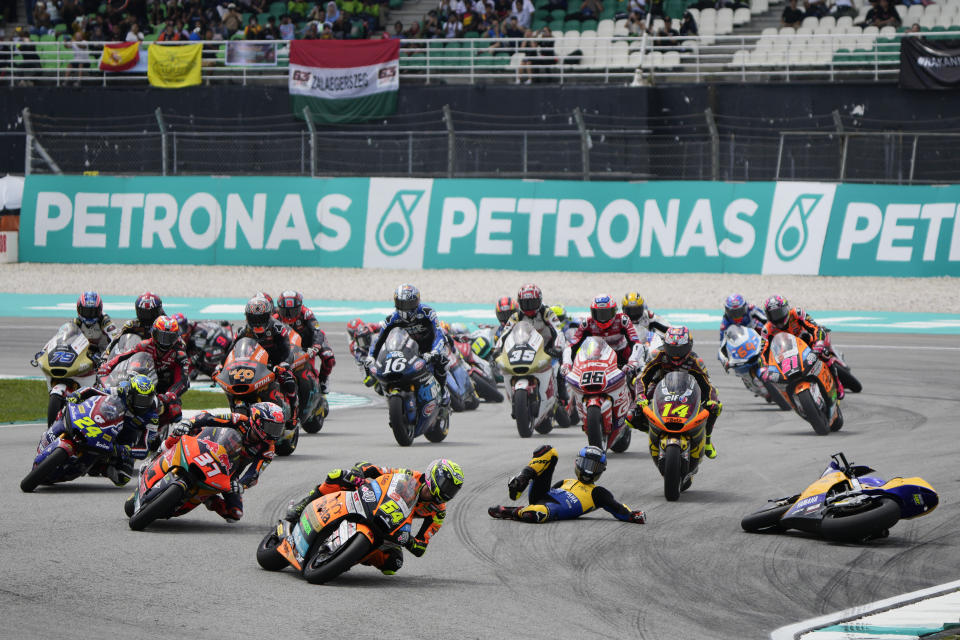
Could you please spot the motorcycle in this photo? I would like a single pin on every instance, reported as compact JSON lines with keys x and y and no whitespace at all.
{"x":315,"y":408}
{"x":79,"y":442}
{"x":530,"y":379}
{"x":677,"y":431}
{"x":207,"y":347}
{"x":847,"y":503}
{"x":66,"y":363}
{"x":340,"y":530}
{"x":601,"y":395}
{"x":246,"y":378}
{"x":805,"y":382}
{"x":740,"y":348}
{"x":482,"y":342}
{"x":651,"y":343}
{"x":413,"y":394}
{"x":481,"y":371}
{"x":182,"y":477}
{"x":463,"y":394}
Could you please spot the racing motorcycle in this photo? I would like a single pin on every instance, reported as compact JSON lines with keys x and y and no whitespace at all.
{"x":482,"y":342}
{"x":412,"y":393}
{"x":481,"y":371}
{"x":339,"y":530}
{"x":601,"y":395}
{"x":651,"y":343}
{"x":530,"y":377}
{"x":314,"y":409}
{"x":847,"y":503}
{"x":677,"y":431}
{"x":66,"y":364}
{"x":740,"y":349}
{"x":207,"y":347}
{"x":79,"y":442}
{"x":246,"y":378}
{"x":805,"y":382}
{"x":463,"y":395}
{"x":185,"y":475}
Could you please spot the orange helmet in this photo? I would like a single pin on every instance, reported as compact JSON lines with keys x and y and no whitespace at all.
{"x":165,"y":333}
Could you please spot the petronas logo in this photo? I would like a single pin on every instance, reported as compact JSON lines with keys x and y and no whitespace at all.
{"x":792,"y":235}
{"x":395,"y":230}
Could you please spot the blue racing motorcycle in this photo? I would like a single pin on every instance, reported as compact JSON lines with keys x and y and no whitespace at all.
{"x":740,"y":350}
{"x":413,"y":394}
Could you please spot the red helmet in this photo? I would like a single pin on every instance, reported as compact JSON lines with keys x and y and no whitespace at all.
{"x":506,"y":306}
{"x":603,"y":310}
{"x":530,"y":299}
{"x":678,"y":343}
{"x":89,"y":307}
{"x":149,"y":307}
{"x":266,"y":422}
{"x":353,"y":326}
{"x":289,"y":305}
{"x":181,"y":321}
{"x":165,"y":333}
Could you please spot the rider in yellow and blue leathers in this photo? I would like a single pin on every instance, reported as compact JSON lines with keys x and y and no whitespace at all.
{"x":566,"y":499}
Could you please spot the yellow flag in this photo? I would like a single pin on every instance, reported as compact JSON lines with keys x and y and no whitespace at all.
{"x":174,"y":65}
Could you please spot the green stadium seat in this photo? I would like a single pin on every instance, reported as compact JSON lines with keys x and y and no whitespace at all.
{"x":541,"y":14}
{"x":396,"y":4}
{"x":588,"y":25}
{"x":571,"y":25}
{"x":60,"y":28}
{"x":558,"y":14}
{"x":536,"y":25}
{"x":278,"y":8}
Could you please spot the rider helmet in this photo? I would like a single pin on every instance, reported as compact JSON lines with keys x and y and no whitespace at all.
{"x":634,"y":306}
{"x":149,"y":307}
{"x":181,"y":322}
{"x":560,"y":312}
{"x":778,"y":311}
{"x":165,"y":333}
{"x":530,"y":299}
{"x":265,"y":422}
{"x":289,"y":305}
{"x":89,"y":307}
{"x":443,"y":479}
{"x":258,"y":313}
{"x":590,"y":463}
{"x":406,"y":299}
{"x":139,"y":393}
{"x":603,"y":310}
{"x":506,"y":306}
{"x":735,"y":307}
{"x":353,"y":326}
{"x":269,"y":298}
{"x":458,"y":329}
{"x":445,"y":327}
{"x":678,"y":343}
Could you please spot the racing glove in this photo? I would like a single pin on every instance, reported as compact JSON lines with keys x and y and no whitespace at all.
{"x":564,"y":369}
{"x":714,"y":406}
{"x":72,"y":398}
{"x":236,"y":486}
{"x":518,"y":483}
{"x":181,"y":429}
{"x":417,"y":546}
{"x":642,"y":401}
{"x":439,"y":361}
{"x":820,"y":348}
{"x":168,"y":398}
{"x":554,"y":352}
{"x":638,"y":517}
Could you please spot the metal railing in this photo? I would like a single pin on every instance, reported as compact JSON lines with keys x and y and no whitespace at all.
{"x":579,"y":58}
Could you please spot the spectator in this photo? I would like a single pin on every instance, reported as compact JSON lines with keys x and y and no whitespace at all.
{"x":431,"y":25}
{"x":134,"y":35}
{"x":452,"y":28}
{"x":253,"y":31}
{"x":169,"y":34}
{"x":287,"y":28}
{"x":195,"y":35}
{"x":270,"y":31}
{"x":815,"y":8}
{"x":370,"y":14}
{"x":502,"y":7}
{"x":54,"y":11}
{"x":529,"y":50}
{"x":28,"y":51}
{"x":81,"y":58}
{"x":444,"y":9}
{"x":257,"y":6}
{"x":331,"y":13}
{"x":590,"y":9}
{"x":667,"y":36}
{"x":791,"y":16}
{"x":555,"y":5}
{"x":341,"y":28}
{"x":71,"y":10}
{"x":232,"y":20}
{"x":635,"y":24}
{"x":882,"y":15}
{"x":311,"y":32}
{"x":397,"y":31}
{"x":327,"y":32}
{"x":842,"y":8}
{"x":512,"y":30}
{"x":524,"y":10}
{"x":688,"y":26}
{"x":914,"y":28}
{"x":637,"y":8}
{"x":495,"y":35}
{"x":413,"y":31}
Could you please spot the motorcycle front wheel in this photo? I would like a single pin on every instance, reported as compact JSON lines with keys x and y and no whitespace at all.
{"x":161,"y":507}
{"x":594,"y":427}
{"x":521,"y":413}
{"x":812,"y":412}
{"x":848,"y":380}
{"x":267,"y":555}
{"x":768,"y":518}
{"x":402,"y":429}
{"x":623,"y":442}
{"x":671,"y":473}
{"x":54,"y":405}
{"x":44,"y":470}
{"x":322,"y":568}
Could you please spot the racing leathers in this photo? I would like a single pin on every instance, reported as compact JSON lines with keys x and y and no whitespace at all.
{"x":275,"y":339}
{"x":173,"y":374}
{"x":99,"y":334}
{"x":314,"y":342}
{"x":649,"y":321}
{"x":754,"y":318}
{"x":247,"y":461}
{"x":548,"y":326}
{"x":801,"y":325}
{"x":389,"y":562}
{"x":564,"y":500}
{"x":424,"y":329}
{"x":619,"y":334}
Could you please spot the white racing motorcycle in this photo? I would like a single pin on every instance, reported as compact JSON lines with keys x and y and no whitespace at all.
{"x":740,"y":350}
{"x":530,"y":378}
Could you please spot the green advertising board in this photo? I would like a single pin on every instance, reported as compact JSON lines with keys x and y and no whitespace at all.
{"x":759,"y":227}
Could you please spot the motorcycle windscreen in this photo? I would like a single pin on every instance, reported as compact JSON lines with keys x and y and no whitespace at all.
{"x":406,"y":488}
{"x":245,"y":349}
{"x":783,"y":346}
{"x":64,"y":335}
{"x":111,"y":409}
{"x":523,"y":333}
{"x":593,"y":349}
{"x":743,"y":343}
{"x":398,"y":340}
{"x":229,"y":438}
{"x":677,"y":397}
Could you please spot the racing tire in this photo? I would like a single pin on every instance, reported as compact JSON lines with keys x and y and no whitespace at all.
{"x":561,"y":415}
{"x":812,"y":413}
{"x":486,"y":390}
{"x":594,"y":427}
{"x":777,"y":398}
{"x":671,"y":473}
{"x":129,"y":504}
{"x":838,"y":421}
{"x":472,"y":400}
{"x":267,"y":555}
{"x":545,"y":426}
{"x":348,"y":555}
{"x":313,"y":425}
{"x":862,"y":524}
{"x":456,"y":403}
{"x":768,"y":518}
{"x":287,"y":447}
{"x":848,"y":380}
{"x":521,"y":412}
{"x":438,"y":430}
{"x":161,"y":507}
{"x":402,"y":430}
{"x":574,"y":416}
{"x":623,"y":442}
{"x":39,"y":474}
{"x":54,"y":406}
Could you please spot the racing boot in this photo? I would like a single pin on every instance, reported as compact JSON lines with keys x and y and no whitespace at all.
{"x":393,"y":562}
{"x":504,"y":513}
{"x":120,"y":470}
{"x":836,"y":377}
{"x":709,"y":450}
{"x":518,"y":483}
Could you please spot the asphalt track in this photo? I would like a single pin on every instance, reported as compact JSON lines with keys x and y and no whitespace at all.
{"x":72,"y":568}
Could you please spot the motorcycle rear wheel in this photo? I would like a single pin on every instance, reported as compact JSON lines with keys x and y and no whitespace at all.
{"x":862,"y":524}
{"x":671,"y":473}
{"x":486,"y":390}
{"x":594,"y":427}
{"x":812,"y":413}
{"x":44,"y":470}
{"x":439,"y":430}
{"x":561,"y":415}
{"x":161,"y":507}
{"x":521,"y":413}
{"x":777,"y":397}
{"x":340,"y":562}
{"x":768,"y":518}
{"x":848,"y":380}
{"x":457,"y":403}
{"x":472,"y":399}
{"x":623,"y":442}
{"x":267,"y":555}
{"x":402,"y":430}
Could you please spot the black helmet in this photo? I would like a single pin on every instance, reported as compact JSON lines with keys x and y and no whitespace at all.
{"x":149,"y":307}
{"x":590,"y":463}
{"x":406,"y":299}
{"x":678,"y":343}
{"x":139,"y":394}
{"x":289,"y":305}
{"x":778,"y":310}
{"x":257,"y":313}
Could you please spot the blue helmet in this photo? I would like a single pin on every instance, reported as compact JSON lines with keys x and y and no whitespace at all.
{"x":89,"y":307}
{"x":735,"y":307}
{"x":406,"y":299}
{"x":590,"y":463}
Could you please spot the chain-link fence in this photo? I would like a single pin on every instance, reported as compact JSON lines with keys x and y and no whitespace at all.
{"x":446,"y":143}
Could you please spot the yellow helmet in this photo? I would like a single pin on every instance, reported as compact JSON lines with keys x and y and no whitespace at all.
{"x":560,"y":312}
{"x":634,"y":306}
{"x":445,"y":326}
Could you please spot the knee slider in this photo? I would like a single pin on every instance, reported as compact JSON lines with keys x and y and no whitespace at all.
{"x":535,"y":513}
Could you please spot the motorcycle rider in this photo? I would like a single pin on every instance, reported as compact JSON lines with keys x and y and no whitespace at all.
{"x":439,"y":483}
{"x":94,"y":324}
{"x":736,"y":310}
{"x":781,"y":317}
{"x":677,"y":354}
{"x":506,"y":307}
{"x":141,"y":405}
{"x":148,"y":307}
{"x":530,"y":301}
{"x":259,"y":432}
{"x":565,"y":499}
{"x":641,"y":316}
{"x":614,"y":328}
{"x":298,"y":317}
{"x":170,"y":359}
{"x":421,"y":322}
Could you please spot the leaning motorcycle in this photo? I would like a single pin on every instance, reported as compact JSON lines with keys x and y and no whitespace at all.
{"x":481,"y":371}
{"x":530,"y":379}
{"x":741,"y":349}
{"x":79,"y":442}
{"x":412,"y":393}
{"x":339,"y":530}
{"x":246,"y":378}
{"x":601,"y":394}
{"x":804,"y":381}
{"x":463,"y":394}
{"x":677,"y":431}
{"x":314,"y":409}
{"x":66,"y":363}
{"x":207,"y":347}
{"x":847,"y":503}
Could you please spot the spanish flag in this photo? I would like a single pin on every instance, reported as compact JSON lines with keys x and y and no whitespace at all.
{"x":120,"y":56}
{"x":174,"y":66}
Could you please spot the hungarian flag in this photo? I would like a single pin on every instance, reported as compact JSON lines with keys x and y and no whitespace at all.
{"x":344,"y":80}
{"x":119,"y":56}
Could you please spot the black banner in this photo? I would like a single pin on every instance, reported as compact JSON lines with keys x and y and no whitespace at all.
{"x":929,"y":65}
